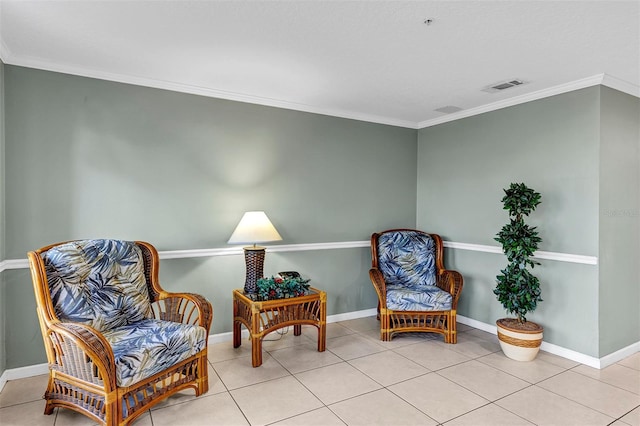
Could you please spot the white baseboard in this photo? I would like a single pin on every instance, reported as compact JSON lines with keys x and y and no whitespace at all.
{"x":572,"y":355}
{"x":477,"y":324}
{"x":564,"y":352}
{"x":39,"y":369}
{"x":352,"y":315}
{"x":547,"y":347}
{"x":23,"y":373}
{"x":619,"y":355}
{"x":228,"y":336}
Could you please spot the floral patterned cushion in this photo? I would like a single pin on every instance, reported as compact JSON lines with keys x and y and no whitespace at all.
{"x":428,"y":298}
{"x":98,"y":282}
{"x":407,"y":259}
{"x":151,"y":346}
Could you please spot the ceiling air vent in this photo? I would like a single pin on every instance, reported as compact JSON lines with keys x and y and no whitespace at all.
{"x":449,"y":109}
{"x":503,"y":86}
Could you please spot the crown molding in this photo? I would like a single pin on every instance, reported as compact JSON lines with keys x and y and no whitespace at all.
{"x":5,"y":53}
{"x":36,"y":63}
{"x":621,"y":85}
{"x":599,"y":79}
{"x":517,"y":100}
{"x":4,"y":50}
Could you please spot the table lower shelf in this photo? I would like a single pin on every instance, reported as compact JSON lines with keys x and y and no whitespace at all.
{"x":263,"y":317}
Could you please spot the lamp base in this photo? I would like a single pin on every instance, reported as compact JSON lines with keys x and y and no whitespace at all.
{"x":254,"y":260}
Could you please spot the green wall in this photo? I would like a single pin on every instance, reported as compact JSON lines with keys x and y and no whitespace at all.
{"x":552,"y":145}
{"x":86,"y":158}
{"x":581,"y":151}
{"x":91,"y":158}
{"x":3,"y":298}
{"x":619,"y":295}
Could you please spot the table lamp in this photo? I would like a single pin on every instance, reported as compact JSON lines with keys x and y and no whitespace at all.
{"x":254,"y":227}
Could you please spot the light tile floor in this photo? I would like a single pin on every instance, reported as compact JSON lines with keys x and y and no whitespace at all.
{"x":415,"y":379}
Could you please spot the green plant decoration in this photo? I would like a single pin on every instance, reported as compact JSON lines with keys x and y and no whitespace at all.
{"x":517,"y":289}
{"x":280,"y":288}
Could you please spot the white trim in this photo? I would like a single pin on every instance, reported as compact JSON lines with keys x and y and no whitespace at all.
{"x":561,"y":351}
{"x":30,"y":62}
{"x":13,"y":264}
{"x":621,"y":85}
{"x":213,"y":252}
{"x":352,"y":315}
{"x":23,"y":373}
{"x":228,"y":336}
{"x":37,"y":63}
{"x":5,"y":53}
{"x":566,"y":257}
{"x":236,"y":251}
{"x":619,"y":355}
{"x":571,"y":354}
{"x":516,"y":100}
{"x":472,"y":247}
{"x":547,"y":347}
{"x":546,"y":255}
{"x":477,"y":324}
{"x":319,"y":246}
{"x":599,"y":79}
{"x":39,"y":369}
{"x":181,"y":254}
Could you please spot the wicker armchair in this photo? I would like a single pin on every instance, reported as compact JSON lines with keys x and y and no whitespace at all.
{"x":415,"y":292}
{"x":116,"y":343}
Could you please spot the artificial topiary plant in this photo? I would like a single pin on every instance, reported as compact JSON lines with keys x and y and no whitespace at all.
{"x":517,"y":289}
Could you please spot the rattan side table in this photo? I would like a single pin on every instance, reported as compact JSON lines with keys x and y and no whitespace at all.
{"x":263,"y":317}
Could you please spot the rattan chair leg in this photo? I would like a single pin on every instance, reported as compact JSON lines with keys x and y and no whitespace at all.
{"x":48,"y":407}
{"x":203,"y":379}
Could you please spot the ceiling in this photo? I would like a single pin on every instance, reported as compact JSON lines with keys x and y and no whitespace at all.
{"x":378,"y":61}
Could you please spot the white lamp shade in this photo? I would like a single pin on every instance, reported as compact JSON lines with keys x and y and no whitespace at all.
{"x":254,"y":227}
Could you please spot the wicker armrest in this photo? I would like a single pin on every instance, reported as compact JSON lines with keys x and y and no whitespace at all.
{"x":82,"y":352}
{"x":451,"y":282}
{"x":185,"y":308}
{"x":378,"y":283}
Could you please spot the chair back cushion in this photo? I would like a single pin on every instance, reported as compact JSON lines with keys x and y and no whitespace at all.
{"x":407,"y":259}
{"x":98,"y":282}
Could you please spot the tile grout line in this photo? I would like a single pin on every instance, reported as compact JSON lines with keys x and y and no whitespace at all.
{"x":572,"y":400}
{"x":386,"y":349}
{"x":603,"y":381}
{"x":346,"y":361}
{"x":625,"y":414}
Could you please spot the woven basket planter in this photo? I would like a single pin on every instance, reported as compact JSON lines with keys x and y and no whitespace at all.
{"x":517,"y":343}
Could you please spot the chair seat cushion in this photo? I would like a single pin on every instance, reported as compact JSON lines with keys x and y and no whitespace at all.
{"x":427,"y":298}
{"x":150,"y":346}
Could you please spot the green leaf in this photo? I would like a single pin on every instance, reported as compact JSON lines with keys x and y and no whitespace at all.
{"x":517,"y":289}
